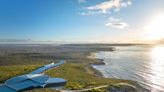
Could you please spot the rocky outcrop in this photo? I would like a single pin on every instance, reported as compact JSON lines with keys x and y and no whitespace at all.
{"x":122,"y":87}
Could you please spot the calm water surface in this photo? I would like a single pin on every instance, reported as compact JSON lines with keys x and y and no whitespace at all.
{"x":144,"y":64}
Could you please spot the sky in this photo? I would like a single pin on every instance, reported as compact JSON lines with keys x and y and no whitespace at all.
{"x":77,"y":20}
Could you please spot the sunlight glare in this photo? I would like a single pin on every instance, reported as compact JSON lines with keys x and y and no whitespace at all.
{"x":157,"y":67}
{"x":156,"y":28}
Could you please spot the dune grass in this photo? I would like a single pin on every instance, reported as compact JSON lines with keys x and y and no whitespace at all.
{"x":77,"y":71}
{"x":78,"y":77}
{"x":7,"y":72}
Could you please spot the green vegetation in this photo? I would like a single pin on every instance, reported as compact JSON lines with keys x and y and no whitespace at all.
{"x":7,"y":72}
{"x":97,"y":90}
{"x":77,"y":71}
{"x":21,"y":59}
{"x":42,"y":90}
{"x":77,"y":77}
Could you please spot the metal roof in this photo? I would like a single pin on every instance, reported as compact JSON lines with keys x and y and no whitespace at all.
{"x":46,"y":67}
{"x":33,"y":80}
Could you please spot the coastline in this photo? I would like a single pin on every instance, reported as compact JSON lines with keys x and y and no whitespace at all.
{"x":79,"y":65}
{"x":99,"y":62}
{"x":93,"y":57}
{"x":99,"y":74}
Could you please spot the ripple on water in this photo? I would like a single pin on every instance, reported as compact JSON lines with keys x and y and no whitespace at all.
{"x":139,"y":63}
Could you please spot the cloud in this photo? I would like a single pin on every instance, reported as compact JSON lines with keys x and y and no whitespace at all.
{"x":82,"y":1}
{"x":90,"y":13}
{"x":109,"y":5}
{"x":116,"y":23}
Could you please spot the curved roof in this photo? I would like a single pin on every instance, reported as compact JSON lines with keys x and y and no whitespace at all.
{"x":33,"y":80}
{"x":24,"y":77}
{"x":46,"y":67}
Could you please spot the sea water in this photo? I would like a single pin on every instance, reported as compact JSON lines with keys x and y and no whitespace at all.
{"x":144,"y":64}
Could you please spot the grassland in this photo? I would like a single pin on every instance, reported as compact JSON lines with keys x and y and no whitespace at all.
{"x":17,"y":60}
{"x":7,"y":72}
{"x":80,"y":76}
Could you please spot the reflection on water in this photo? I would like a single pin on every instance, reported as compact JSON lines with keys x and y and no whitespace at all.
{"x":144,"y":64}
{"x":157,"y":67}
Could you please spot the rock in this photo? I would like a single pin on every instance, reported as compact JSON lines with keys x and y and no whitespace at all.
{"x":122,"y":87}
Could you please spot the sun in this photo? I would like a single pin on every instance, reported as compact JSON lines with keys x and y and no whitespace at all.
{"x":155,"y":29}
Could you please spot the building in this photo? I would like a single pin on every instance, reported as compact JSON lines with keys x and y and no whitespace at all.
{"x":33,"y":80}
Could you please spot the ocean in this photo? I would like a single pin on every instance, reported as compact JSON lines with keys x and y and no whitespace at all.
{"x":141,"y":63}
